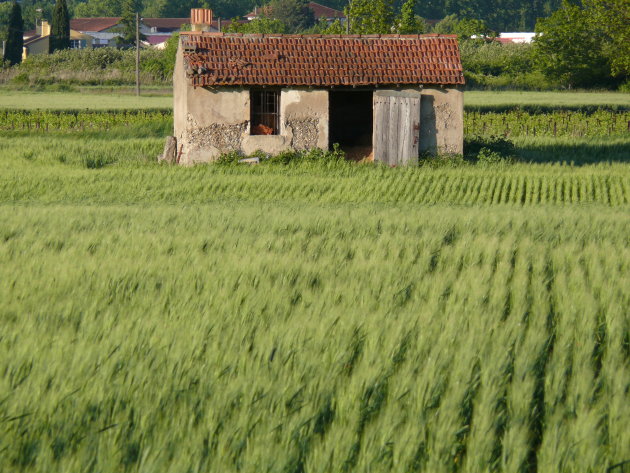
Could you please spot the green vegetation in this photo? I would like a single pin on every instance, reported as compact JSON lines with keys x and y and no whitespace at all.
{"x":15,"y":39}
{"x":256,"y":337}
{"x":320,"y":316}
{"x":585,"y":43}
{"x":110,"y":98}
{"x":564,"y":123}
{"x":60,"y":28}
{"x":93,"y":99}
{"x":529,"y":99}
{"x":81,"y":120}
{"x":101,"y":66}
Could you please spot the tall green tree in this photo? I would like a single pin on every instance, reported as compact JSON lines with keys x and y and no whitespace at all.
{"x":294,"y":13}
{"x":259,"y":26}
{"x":612,"y":18}
{"x":60,"y":28}
{"x":409,"y":22}
{"x":128,"y":22}
{"x":370,"y":16}
{"x":15,"y":36}
{"x":568,"y":48}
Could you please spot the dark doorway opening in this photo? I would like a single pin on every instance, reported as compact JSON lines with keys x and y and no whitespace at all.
{"x":351,"y":122}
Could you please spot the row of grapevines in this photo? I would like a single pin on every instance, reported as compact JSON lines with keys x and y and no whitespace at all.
{"x":562,"y":123}
{"x":50,"y":120}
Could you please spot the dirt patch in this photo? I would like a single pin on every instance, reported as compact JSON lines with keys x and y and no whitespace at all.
{"x":364,"y":154}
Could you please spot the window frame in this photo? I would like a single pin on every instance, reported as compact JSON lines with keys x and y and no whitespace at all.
{"x":265,"y":110}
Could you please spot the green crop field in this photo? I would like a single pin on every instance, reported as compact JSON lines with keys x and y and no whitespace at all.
{"x":98,"y":99}
{"x":320,"y":316}
{"x":108,"y":98}
{"x":550,"y":99}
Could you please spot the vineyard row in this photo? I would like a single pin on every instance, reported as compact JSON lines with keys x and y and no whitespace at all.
{"x":515,"y":123}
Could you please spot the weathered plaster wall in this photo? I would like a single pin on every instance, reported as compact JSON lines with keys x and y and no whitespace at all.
{"x":442,"y":121}
{"x":180,"y":94}
{"x":211,"y":122}
{"x":217,"y":120}
{"x":219,"y":106}
{"x":305,"y":117}
{"x":303,"y":123}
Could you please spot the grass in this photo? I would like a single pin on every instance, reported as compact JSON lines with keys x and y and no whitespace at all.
{"x":320,"y":317}
{"x":109,"y":98}
{"x":101,"y":99}
{"x":240,"y":336}
{"x":557,"y":99}
{"x":119,"y":167}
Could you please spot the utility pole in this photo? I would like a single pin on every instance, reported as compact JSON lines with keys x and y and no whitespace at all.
{"x":137,"y":54}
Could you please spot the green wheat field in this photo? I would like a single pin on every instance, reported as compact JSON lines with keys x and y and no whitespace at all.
{"x":312,"y":317}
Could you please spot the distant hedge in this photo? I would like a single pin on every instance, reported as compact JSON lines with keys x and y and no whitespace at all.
{"x":101,"y":66}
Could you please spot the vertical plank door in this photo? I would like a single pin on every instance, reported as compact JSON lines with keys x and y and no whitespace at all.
{"x":396,"y":136}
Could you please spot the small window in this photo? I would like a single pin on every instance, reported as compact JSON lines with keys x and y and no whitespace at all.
{"x":78,"y":44}
{"x":265,"y":112}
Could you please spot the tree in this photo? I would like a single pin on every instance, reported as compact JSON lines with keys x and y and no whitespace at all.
{"x":60,"y":28}
{"x":96,"y":8}
{"x":370,"y":16}
{"x":128,"y":22}
{"x":612,"y":18}
{"x":294,"y":13}
{"x":323,"y":27}
{"x":447,"y":25}
{"x":15,"y":36}
{"x":466,"y":28}
{"x":259,"y":26}
{"x":568,"y":48}
{"x":408,"y":22}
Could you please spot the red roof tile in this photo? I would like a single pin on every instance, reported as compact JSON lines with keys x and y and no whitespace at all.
{"x":216,"y":59}
{"x":93,"y":24}
{"x":322,"y":11}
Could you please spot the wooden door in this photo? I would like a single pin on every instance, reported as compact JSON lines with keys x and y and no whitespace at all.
{"x":396,"y":136}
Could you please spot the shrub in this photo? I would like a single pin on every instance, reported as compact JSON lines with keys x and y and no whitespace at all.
{"x":289,"y":157}
{"x":101,"y":66}
{"x":443,"y":160}
{"x":489,"y":151}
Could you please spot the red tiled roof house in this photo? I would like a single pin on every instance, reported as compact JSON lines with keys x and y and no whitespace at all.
{"x":398,"y":96}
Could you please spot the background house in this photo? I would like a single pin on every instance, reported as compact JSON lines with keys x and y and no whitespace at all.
{"x":103,"y":30}
{"x":391,"y":97}
{"x":38,"y":41}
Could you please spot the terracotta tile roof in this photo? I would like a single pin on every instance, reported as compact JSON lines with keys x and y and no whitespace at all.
{"x":217,"y":59}
{"x":322,"y":11}
{"x":93,"y":24}
{"x":154,"y":39}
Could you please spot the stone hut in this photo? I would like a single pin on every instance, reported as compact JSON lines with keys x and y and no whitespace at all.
{"x":386,"y":97}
